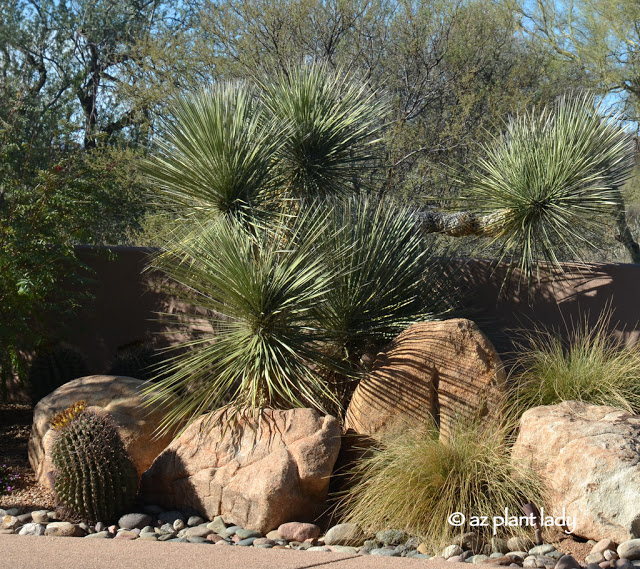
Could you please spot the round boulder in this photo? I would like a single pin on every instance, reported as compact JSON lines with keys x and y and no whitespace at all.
{"x":121,"y":397}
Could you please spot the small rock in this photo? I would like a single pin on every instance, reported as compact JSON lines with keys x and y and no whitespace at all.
{"x":247,"y":533}
{"x":127,"y":534}
{"x":198,"y":531}
{"x":567,"y":562}
{"x":130,"y":521}
{"x":466,"y":555}
{"x":194,"y":521}
{"x":274,"y":535}
{"x":213,"y":538}
{"x":149,"y":536}
{"x":197,"y":539}
{"x":298,"y":531}
{"x":530,"y":562}
{"x":12,"y":512}
{"x":40,"y":517}
{"x":224,"y":542}
{"x":99,"y":535}
{"x":623,"y":564}
{"x":3,"y":513}
{"x":343,"y":549}
{"x":603,"y":545}
{"x":53,"y":516}
{"x":170,"y":517}
{"x":230,"y":531}
{"x":319,"y":548}
{"x":24,"y":518}
{"x":478,"y":559}
{"x":518,"y":543}
{"x":166,"y":537}
{"x":263,"y":541}
{"x":629,"y":549}
{"x":392,"y":536}
{"x":503,"y":560}
{"x":518,"y":556}
{"x":112,"y":529}
{"x":32,"y":529}
{"x":217,"y":525}
{"x":422,"y":549}
{"x":178,"y":524}
{"x":382,"y":551}
{"x":10,"y":522}
{"x":167,"y":528}
{"x":605,"y":564}
{"x":348,"y":534}
{"x":451,"y":551}
{"x":100,"y":527}
{"x":596,"y":557}
{"x":543,"y":562}
{"x":63,"y":529}
{"x":246,"y":542}
{"x":610,"y":555}
{"x":555,"y":554}
{"x":542,"y":549}
{"x":455,"y":559}
{"x":179,"y":540}
{"x":85,"y":528}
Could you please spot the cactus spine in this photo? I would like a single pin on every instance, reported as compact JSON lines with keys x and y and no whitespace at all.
{"x":95,"y":480}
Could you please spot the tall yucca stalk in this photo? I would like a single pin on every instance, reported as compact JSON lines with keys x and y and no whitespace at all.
{"x":552,"y":181}
{"x":259,"y":289}
{"x":333,"y":125}
{"x":215,"y":153}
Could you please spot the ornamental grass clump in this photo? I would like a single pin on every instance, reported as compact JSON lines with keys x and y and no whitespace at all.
{"x":414,"y":481}
{"x":591,"y":366}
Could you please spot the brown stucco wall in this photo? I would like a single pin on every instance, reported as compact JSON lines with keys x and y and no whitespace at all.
{"x":127,"y":302}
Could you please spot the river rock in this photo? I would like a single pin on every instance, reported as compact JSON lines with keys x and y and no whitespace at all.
{"x":121,"y":398}
{"x":298,"y":531}
{"x":444,"y":369}
{"x":63,"y":529}
{"x":255,"y":476}
{"x":588,"y":457}
{"x":32,"y":529}
{"x":348,"y":535}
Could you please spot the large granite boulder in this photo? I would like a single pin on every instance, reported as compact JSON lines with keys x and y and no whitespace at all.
{"x":447,"y":370}
{"x":254,"y":476}
{"x":121,"y":398}
{"x":588,"y":457}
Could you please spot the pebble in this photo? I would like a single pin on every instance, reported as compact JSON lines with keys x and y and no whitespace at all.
{"x":10,"y":522}
{"x":247,"y":541}
{"x":24,"y":518}
{"x":167,"y":528}
{"x":127,"y":534}
{"x":319,"y":548}
{"x":597,"y":557}
{"x":478,"y":559}
{"x":451,"y":551}
{"x":198,"y":531}
{"x":217,"y":525}
{"x":247,"y":533}
{"x":392,"y":536}
{"x":99,"y":535}
{"x":610,"y":555}
{"x":197,"y":539}
{"x":343,"y":549}
{"x":603,"y":545}
{"x":298,"y":531}
{"x":541,"y":549}
{"x":194,"y":521}
{"x":12,"y":512}
{"x":63,"y":529}
{"x":348,"y":534}
{"x":32,"y":529}
{"x":131,"y":521}
{"x":567,"y":562}
{"x":40,"y":517}
{"x":230,"y":531}
{"x":383,"y":552}
{"x":178,"y":524}
{"x":629,"y":549}
{"x":469,"y":541}
{"x":274,"y":535}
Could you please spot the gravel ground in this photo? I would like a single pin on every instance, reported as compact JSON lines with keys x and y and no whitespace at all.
{"x":15,"y":427}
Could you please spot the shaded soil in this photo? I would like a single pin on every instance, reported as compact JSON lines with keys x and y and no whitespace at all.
{"x":15,"y":428}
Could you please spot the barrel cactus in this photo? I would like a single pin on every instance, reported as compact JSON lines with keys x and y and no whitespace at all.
{"x":95,"y":479}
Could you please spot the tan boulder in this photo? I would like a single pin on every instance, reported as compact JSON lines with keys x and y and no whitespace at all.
{"x":257,"y":477}
{"x":120,"y":397}
{"x":588,"y":457}
{"x":445,"y":369}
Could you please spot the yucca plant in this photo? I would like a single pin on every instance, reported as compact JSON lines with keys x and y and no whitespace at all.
{"x":215,"y":153}
{"x":331,"y":135}
{"x":591,"y":366}
{"x":414,"y":481}
{"x":389,"y":275}
{"x":551,"y":182}
{"x":259,"y":288}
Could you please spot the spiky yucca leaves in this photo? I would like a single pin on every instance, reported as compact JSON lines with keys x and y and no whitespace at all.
{"x":591,"y":366}
{"x":415,"y":481}
{"x":259,"y":288}
{"x":95,"y":479}
{"x":388,"y":275}
{"x":551,"y":180}
{"x":332,"y":127}
{"x":215,"y":152}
